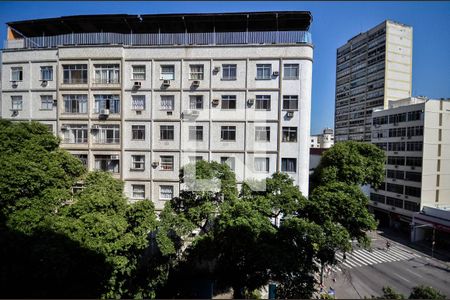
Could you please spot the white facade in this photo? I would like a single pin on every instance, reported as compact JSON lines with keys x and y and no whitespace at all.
{"x":324,"y":140}
{"x":144,"y":135}
{"x":415,"y":133}
{"x":372,"y":68}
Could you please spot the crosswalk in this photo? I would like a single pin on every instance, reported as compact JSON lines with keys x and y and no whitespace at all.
{"x":362,"y":257}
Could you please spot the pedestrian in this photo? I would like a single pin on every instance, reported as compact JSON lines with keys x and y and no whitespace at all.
{"x":344,"y":257}
{"x":388,"y":245}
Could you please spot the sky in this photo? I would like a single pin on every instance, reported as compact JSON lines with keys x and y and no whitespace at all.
{"x":334,"y":23}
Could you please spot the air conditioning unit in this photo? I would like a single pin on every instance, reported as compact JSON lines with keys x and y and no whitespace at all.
{"x":406,"y":196}
{"x":396,"y":166}
{"x":14,"y":84}
{"x":155,"y":164}
{"x":393,"y":179}
{"x":402,"y":138}
{"x":95,"y":127}
{"x":64,"y":127}
{"x":374,"y":203}
{"x":276,"y":73}
{"x":137,"y":84}
{"x":215,"y":102}
{"x":250,"y":101}
{"x":409,"y":137}
{"x":44,"y":82}
{"x":166,"y":82}
{"x":413,"y":168}
{"x":393,"y":208}
{"x":216,"y":69}
{"x":196,"y":83}
{"x":115,"y":156}
{"x":290,"y":114}
{"x":14,"y":112}
{"x":55,"y":102}
{"x":104,"y":112}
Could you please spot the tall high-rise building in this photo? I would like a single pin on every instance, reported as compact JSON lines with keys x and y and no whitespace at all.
{"x":415,"y":134}
{"x":142,"y":95}
{"x":372,"y":68}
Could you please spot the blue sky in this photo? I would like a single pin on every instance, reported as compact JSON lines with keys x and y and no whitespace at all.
{"x":333,"y":24}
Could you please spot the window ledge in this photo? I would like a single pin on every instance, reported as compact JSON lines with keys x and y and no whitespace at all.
{"x":137,"y":170}
{"x":228,"y":79}
{"x":263,"y":78}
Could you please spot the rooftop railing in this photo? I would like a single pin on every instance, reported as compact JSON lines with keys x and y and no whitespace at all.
{"x":159,"y":39}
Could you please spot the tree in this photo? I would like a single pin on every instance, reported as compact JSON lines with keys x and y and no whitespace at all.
{"x":426,"y":292}
{"x":390,"y":293}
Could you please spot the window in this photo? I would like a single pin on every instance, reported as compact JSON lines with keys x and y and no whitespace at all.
{"x":196,"y":133}
{"x":228,"y":102}
{"x":46,"y":102}
{"x":412,"y":206}
{"x":166,"y":132}
{"x":108,"y":163}
{"x":414,"y":146}
{"x":289,"y":165}
{"x":47,"y":73}
{"x":106,"y":74}
{"x":394,"y":202}
{"x":167,"y":102}
{"x":111,"y":102}
{"x":262,"y":164}
{"x":396,"y":146}
{"x":196,"y":72}
{"x":415,"y":115}
{"x":196,"y":102}
{"x":377,"y":198}
{"x":396,"y":160}
{"x":138,"y":73}
{"x":107,"y":134}
{"x":413,"y":176}
{"x":165,"y":192}
{"x":168,"y":72}
{"x":412,"y":191}
{"x":75,"y":74}
{"x":229,"y":161}
{"x":195,"y":159}
{"x":262,"y":133}
{"x":16,"y":73}
{"x":263,"y":71}
{"x":75,"y":104}
{"x":290,"y":135}
{"x":290,"y":71}
{"x":138,"y":132}
{"x":138,"y":102}
{"x":16,"y":102}
{"x":138,"y":162}
{"x":229,"y":72}
{"x":138,"y":191}
{"x":75,"y":134}
{"x":83,"y":158}
{"x":262,"y":102}
{"x":228,"y":133}
{"x":414,"y":161}
{"x":394,"y":188}
{"x":397,"y":174}
{"x":167,"y":163}
{"x":290,"y":102}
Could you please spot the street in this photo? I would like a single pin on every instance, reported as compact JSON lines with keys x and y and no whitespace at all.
{"x":364,"y":273}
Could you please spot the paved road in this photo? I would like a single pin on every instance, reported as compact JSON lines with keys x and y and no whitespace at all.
{"x":364,"y":273}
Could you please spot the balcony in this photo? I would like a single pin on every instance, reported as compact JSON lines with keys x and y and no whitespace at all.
{"x":160,"y":39}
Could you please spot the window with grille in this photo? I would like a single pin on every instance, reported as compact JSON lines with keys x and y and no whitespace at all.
{"x":290,"y":102}
{"x":138,"y":191}
{"x":168,"y":72}
{"x":138,"y":162}
{"x":228,"y":133}
{"x":166,"y":192}
{"x":111,"y":102}
{"x":263,"y":71}
{"x":262,"y":133}
{"x":228,"y":102}
{"x":16,"y":102}
{"x":196,"y":102}
{"x":106,"y":163}
{"x":229,"y":161}
{"x":75,"y":74}
{"x":196,"y":133}
{"x":229,"y":71}
{"x":167,"y":102}
{"x":75,"y":104}
{"x":291,"y":71}
{"x":138,"y":72}
{"x":289,"y":165}
{"x":138,"y":132}
{"x":75,"y":134}
{"x":167,"y":163}
{"x":138,"y":102}
{"x":46,"y":102}
{"x":166,"y":132}
{"x":262,"y":102}
{"x":106,"y":74}
{"x":290,"y":135}
{"x":262,"y":164}
{"x":196,"y":72}
{"x":16,"y":73}
{"x":47,"y":73}
{"x":107,"y":134}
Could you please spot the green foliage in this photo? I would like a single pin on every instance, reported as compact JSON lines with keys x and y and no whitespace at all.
{"x":353,"y":163}
{"x":426,"y":292}
{"x":390,"y":293}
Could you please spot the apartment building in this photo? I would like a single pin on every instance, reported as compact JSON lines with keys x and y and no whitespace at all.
{"x":142,"y":95}
{"x":415,"y":134}
{"x":323,"y":140}
{"x":372,"y":68}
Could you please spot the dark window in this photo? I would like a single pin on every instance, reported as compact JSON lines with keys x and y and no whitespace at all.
{"x":413,"y":176}
{"x":289,"y":165}
{"x":196,"y":133}
{"x":394,"y":202}
{"x":412,"y":191}
{"x":262,"y":102}
{"x":166,"y":132}
{"x":394,"y":188}
{"x":414,"y":161}
{"x":138,"y":132}
{"x":228,"y":133}
{"x":290,"y":134}
{"x":377,"y":198}
{"x":75,"y":74}
{"x":228,"y":102}
{"x":290,"y":102}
